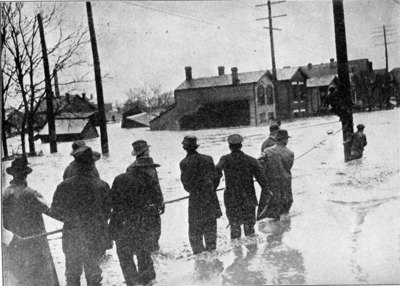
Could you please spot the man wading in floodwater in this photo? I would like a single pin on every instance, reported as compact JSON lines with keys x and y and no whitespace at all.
{"x":240,"y":196}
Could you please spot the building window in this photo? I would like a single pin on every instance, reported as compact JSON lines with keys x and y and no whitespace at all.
{"x":270,"y":95}
{"x":271,"y":116}
{"x":261,"y":95}
{"x":262,"y":117}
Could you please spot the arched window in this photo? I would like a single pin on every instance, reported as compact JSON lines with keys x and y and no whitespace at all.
{"x":261,"y":95}
{"x":270,"y":95}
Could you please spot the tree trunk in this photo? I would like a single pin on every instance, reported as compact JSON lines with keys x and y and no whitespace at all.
{"x":31,"y":141}
{"x":3,"y":129}
{"x":22,"y":133}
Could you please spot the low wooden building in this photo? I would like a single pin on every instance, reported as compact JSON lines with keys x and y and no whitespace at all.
{"x":71,"y":127}
{"x":138,"y":120}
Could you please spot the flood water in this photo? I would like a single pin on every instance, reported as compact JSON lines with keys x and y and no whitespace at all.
{"x":343,"y":228}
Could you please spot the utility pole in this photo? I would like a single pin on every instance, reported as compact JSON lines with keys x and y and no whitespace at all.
{"x":386,"y":53}
{"x":99,"y":86}
{"x":387,"y":32}
{"x":271,"y":37}
{"x":346,"y":115}
{"x":49,"y":93}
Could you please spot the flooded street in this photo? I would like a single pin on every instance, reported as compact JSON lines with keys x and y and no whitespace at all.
{"x":343,"y":228}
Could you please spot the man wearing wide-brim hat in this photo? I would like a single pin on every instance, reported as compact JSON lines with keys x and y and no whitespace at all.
{"x":30,"y":262}
{"x":82,"y":202}
{"x":199,"y":179}
{"x":277,"y":162}
{"x":137,"y":203}
{"x":71,"y":169}
{"x":240,"y":197}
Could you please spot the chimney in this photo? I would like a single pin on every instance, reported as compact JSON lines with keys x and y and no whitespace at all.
{"x":67,"y":97}
{"x":235,"y":77}
{"x":332,"y":63}
{"x":84,"y":96}
{"x":309,"y":66}
{"x":188,"y":71}
{"x":221,"y":70}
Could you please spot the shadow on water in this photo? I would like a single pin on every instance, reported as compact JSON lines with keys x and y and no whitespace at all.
{"x":285,"y":263}
{"x":239,"y":271}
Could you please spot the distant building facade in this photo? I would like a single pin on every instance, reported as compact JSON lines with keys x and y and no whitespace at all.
{"x":234,"y":99}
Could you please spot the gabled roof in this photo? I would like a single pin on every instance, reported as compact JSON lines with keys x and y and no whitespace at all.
{"x":75,"y":115}
{"x":331,"y":68}
{"x":142,"y":118}
{"x":222,"y":80}
{"x":324,"y":80}
{"x":66,"y":126}
{"x":286,"y":73}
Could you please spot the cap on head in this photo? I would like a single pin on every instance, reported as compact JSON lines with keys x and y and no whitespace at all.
{"x":76,"y":145}
{"x":273,"y":127}
{"x":360,"y":126}
{"x":19,"y":167}
{"x":282,"y":135}
{"x":139,"y":146}
{"x":190,"y":141}
{"x":144,"y":162}
{"x":235,"y":139}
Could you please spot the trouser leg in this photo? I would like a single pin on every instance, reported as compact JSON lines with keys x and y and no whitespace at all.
{"x":196,"y":236}
{"x":128,"y":267}
{"x":235,"y":229}
{"x":210,"y":234}
{"x":248,"y":229}
{"x":73,"y":267}
{"x":92,"y":268}
{"x":249,"y":221}
{"x":145,"y":266}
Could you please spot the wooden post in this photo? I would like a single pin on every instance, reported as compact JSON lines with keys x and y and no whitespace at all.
{"x":99,"y":86}
{"x":343,"y":74}
{"x":49,"y":93}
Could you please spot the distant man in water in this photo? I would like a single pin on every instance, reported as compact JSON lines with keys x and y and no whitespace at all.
{"x":277,"y":161}
{"x":271,"y":141}
{"x":199,"y":179}
{"x":240,"y":196}
{"x":358,"y":142}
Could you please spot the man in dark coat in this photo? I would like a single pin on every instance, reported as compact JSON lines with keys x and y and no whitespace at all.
{"x":136,"y":203}
{"x":142,"y":149}
{"x":358,"y":142}
{"x":240,"y":196}
{"x":30,"y":261}
{"x":71,"y":169}
{"x":277,"y":161}
{"x":82,"y":202}
{"x":198,"y":177}
{"x":271,"y":141}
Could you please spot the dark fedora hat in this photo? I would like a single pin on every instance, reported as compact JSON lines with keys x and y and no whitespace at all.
{"x":282,"y":135}
{"x":190,"y":141}
{"x":139,"y":146}
{"x":144,"y":162}
{"x":86,"y":155}
{"x":19,"y":166}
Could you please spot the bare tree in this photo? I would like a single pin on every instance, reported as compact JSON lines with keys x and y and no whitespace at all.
{"x":24,"y":47}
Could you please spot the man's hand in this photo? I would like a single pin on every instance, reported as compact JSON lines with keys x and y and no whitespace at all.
{"x":161,"y":209}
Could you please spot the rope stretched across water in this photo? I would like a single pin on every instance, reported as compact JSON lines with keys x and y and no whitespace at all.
{"x":185,"y":197}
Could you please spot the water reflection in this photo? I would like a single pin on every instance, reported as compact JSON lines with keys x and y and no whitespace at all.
{"x":286,"y":265}
{"x":240,"y":272}
{"x":206,"y":269}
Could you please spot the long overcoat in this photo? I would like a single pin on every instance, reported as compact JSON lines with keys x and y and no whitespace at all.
{"x":239,"y":170}
{"x":199,"y":178}
{"x":277,"y":162}
{"x":136,"y":199}
{"x":82,"y":202}
{"x":31,"y":262}
{"x":271,"y":141}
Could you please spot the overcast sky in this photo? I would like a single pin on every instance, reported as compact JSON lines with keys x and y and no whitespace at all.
{"x":152,"y":41}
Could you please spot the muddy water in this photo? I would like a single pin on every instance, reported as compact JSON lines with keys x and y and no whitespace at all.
{"x":343,"y":227}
